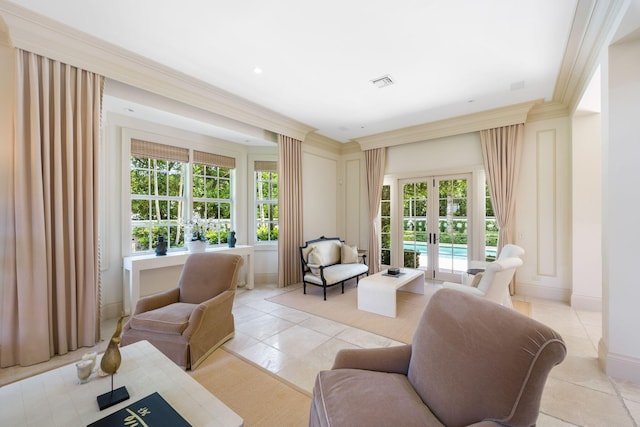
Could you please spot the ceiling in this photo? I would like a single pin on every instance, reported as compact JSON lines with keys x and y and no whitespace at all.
{"x":318,"y":59}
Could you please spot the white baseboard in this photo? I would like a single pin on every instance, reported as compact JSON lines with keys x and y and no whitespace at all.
{"x":112,"y":311}
{"x":543,"y":292}
{"x":265,"y":278}
{"x":586,"y":303}
{"x":618,"y":365}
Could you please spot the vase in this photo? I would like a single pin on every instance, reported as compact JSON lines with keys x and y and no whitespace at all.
{"x":196,"y":246}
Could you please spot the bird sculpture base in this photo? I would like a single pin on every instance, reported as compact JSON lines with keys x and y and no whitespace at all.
{"x":112,"y":397}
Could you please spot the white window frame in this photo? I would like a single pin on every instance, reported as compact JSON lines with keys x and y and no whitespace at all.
{"x":127,"y":136}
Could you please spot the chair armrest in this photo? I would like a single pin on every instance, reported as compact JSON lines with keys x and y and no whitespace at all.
{"x":464,"y":288}
{"x":386,"y":359}
{"x":211,"y":308}
{"x":151,"y":302}
{"x":486,"y":423}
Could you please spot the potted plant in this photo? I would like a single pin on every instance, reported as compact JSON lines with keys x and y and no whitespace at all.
{"x":197,"y":229}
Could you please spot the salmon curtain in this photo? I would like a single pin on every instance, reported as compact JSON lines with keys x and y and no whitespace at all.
{"x":501,"y":153}
{"x":374,"y":162}
{"x":290,"y":210}
{"x":51,"y":293}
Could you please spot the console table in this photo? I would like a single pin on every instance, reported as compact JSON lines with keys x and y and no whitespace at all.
{"x":55,"y":398}
{"x":135,"y":264}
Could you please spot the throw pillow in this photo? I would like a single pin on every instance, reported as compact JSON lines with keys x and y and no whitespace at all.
{"x":476,"y":280}
{"x":315,"y":259}
{"x":349,"y":254}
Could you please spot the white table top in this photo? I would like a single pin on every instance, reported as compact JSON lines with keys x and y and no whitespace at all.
{"x":55,"y":398}
{"x":383,"y":279}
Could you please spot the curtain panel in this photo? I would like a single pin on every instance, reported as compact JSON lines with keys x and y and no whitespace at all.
{"x":374,"y":163}
{"x":51,"y":285}
{"x":290,"y":210}
{"x":501,"y":153}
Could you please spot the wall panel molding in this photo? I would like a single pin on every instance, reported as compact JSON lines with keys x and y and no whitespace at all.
{"x":546,"y":182}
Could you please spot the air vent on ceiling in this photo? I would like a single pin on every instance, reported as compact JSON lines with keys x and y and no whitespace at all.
{"x":383,"y":81}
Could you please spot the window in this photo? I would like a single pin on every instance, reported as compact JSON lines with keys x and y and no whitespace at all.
{"x":212,"y":201}
{"x":157,"y":176}
{"x":266,"y":199}
{"x":165,"y":197}
{"x":490,"y":228}
{"x":385,"y":229}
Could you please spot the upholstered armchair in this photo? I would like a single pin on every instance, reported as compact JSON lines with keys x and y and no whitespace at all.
{"x":494,"y":282}
{"x":471,"y":363}
{"x":508,"y":251}
{"x":190,"y":321}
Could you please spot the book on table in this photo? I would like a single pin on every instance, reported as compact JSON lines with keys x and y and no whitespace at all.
{"x":151,"y":411}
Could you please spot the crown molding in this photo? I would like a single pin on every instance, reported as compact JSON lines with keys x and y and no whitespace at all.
{"x":593,"y":26}
{"x":547,"y":111}
{"x":323,"y":142}
{"x":350,"y":147}
{"x":455,"y":126}
{"x":35,"y":33}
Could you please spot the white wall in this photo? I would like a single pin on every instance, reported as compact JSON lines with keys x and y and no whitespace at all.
{"x":620,"y":345}
{"x":587,"y":212}
{"x":543,"y":211}
{"x":319,"y":193}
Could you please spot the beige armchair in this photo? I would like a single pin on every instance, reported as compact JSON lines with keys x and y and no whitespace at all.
{"x":471,"y":363}
{"x":188,"y":322}
{"x":494,"y":282}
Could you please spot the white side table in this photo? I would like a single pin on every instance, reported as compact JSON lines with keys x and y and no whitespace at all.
{"x":135,"y":264}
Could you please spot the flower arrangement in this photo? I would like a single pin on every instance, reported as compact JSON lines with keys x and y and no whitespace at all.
{"x":198,"y":228}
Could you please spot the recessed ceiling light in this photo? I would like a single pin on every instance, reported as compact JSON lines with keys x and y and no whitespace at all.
{"x":257,"y":70}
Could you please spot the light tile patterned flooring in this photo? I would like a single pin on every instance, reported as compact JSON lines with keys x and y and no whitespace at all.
{"x":296,"y":345}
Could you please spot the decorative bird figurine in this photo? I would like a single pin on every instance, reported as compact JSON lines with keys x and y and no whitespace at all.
{"x":109,"y":365}
{"x":111,"y":359}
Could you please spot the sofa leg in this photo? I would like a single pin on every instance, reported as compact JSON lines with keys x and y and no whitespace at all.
{"x":304,"y":288}
{"x":324,"y":292}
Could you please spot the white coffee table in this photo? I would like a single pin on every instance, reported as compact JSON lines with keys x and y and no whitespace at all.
{"x":377,"y":293}
{"x":54,"y":398}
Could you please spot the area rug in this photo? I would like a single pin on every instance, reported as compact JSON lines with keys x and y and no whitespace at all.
{"x":256,"y":395}
{"x":343,"y":308}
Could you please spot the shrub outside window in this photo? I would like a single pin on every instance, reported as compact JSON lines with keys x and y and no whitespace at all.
{"x":266,"y":201}
{"x":165,"y":198}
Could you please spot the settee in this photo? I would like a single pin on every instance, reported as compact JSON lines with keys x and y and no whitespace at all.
{"x":328,"y":261}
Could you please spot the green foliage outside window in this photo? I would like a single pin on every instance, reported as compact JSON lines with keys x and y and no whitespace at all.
{"x":266,"y":215}
{"x":159,"y":202}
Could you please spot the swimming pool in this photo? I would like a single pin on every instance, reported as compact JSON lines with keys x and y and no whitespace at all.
{"x":458,"y":252}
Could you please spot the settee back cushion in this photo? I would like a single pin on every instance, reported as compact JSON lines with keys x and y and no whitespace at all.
{"x":208,"y":274}
{"x":473,"y":359}
{"x":329,"y":251}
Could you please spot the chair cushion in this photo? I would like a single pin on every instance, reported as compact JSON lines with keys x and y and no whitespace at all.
{"x":349,"y":254}
{"x":355,"y":397}
{"x":171,"y":319}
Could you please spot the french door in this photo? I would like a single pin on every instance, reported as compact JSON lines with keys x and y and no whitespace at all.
{"x":434,"y":225}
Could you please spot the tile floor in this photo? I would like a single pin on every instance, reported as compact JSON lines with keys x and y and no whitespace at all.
{"x":295,"y":345}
